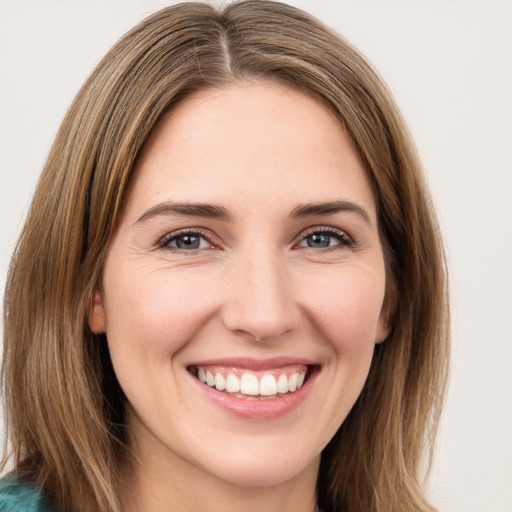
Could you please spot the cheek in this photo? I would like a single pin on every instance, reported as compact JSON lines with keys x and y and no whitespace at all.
{"x":149,"y":312}
{"x":347,"y":309}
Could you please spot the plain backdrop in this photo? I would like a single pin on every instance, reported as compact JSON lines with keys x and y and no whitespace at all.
{"x":449,"y":65}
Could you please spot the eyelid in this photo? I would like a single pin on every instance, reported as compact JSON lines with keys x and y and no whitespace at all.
{"x":207,"y":235}
{"x":345,"y":239}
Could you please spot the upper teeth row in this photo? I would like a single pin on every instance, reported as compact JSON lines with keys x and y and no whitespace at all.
{"x":249,"y":384}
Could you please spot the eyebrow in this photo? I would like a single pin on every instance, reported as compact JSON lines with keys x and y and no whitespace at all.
{"x":213,"y":211}
{"x":201,"y":210}
{"x":329,"y":208}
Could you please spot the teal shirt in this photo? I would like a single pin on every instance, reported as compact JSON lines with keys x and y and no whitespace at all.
{"x":16,"y":497}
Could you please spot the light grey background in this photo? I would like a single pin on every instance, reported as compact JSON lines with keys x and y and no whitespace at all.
{"x":449,"y":64}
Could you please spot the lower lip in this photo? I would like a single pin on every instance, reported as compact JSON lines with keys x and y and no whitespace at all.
{"x":258,"y":409}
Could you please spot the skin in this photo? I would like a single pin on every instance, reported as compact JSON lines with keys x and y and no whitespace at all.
{"x":253,"y":288}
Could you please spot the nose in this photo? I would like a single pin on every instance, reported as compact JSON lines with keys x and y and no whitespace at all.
{"x":260,"y":300}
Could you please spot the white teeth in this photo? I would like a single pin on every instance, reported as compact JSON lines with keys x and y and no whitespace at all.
{"x":249,"y":384}
{"x":220,"y":382}
{"x":210,"y":379}
{"x":282,"y":383}
{"x":232,"y":383}
{"x":268,"y":385}
{"x":292,"y":381}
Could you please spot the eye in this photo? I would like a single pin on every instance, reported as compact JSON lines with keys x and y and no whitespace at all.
{"x":325,"y":238}
{"x":185,"y":241}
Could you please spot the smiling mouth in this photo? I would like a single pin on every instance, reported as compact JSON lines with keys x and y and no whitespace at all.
{"x":254,"y":385}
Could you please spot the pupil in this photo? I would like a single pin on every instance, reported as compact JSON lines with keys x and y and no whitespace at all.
{"x":187,"y":242}
{"x":319,"y":240}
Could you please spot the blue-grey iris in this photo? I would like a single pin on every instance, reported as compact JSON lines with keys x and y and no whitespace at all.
{"x":188,"y":242}
{"x":319,"y":240}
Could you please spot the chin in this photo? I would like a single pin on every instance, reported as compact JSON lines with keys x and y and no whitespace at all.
{"x":268,"y":471}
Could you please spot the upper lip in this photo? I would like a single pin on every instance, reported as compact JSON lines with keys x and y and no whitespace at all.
{"x":254,"y":364}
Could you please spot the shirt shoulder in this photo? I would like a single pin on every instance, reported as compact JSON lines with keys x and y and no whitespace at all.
{"x":17,"y":497}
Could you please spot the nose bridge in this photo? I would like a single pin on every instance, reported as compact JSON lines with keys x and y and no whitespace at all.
{"x":260,"y":299}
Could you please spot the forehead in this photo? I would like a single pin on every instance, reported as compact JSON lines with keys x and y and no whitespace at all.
{"x":253,"y":141}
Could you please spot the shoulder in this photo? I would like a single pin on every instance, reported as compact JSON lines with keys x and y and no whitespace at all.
{"x":17,"y":497}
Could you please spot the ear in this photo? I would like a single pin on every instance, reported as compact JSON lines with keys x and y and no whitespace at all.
{"x":97,"y":314}
{"x":386,"y":313}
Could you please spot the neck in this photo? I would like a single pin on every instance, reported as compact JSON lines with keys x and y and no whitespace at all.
{"x":159,"y":482}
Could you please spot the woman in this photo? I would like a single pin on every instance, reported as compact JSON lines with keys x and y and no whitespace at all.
{"x":230,"y":289}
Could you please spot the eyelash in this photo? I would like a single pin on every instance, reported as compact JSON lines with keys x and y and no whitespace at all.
{"x":170,"y":237}
{"x":344,"y":240}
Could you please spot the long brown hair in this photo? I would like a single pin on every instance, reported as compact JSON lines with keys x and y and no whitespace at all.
{"x":63,"y":406}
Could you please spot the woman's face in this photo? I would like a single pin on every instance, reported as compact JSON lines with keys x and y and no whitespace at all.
{"x":248,"y":256}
